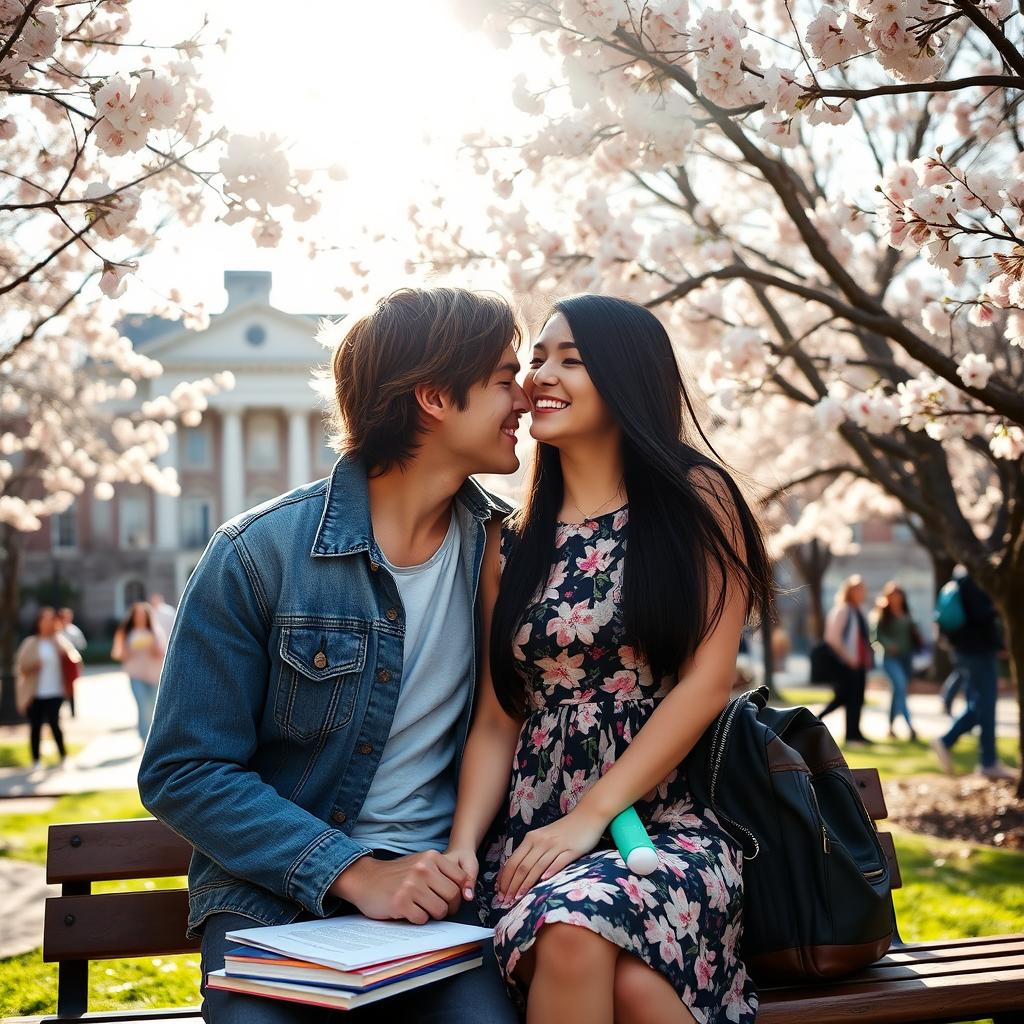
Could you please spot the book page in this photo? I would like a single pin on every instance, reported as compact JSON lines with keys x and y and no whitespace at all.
{"x":353,"y":941}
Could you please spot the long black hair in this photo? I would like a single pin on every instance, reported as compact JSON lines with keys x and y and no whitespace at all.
{"x":682,"y":547}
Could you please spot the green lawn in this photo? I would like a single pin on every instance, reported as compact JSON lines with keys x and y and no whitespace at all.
{"x":900,"y":758}
{"x":951,"y":889}
{"x":16,"y":755}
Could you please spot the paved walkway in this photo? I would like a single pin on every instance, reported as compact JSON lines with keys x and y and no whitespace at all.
{"x":104,"y":730}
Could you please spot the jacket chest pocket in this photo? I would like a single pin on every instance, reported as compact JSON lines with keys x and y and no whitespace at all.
{"x":320,"y":672}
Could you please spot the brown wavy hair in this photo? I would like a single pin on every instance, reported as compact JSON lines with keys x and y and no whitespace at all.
{"x":451,"y":338}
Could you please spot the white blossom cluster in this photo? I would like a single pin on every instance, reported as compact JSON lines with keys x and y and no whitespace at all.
{"x":103,"y":142}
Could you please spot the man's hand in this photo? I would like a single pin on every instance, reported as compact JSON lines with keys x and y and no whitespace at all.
{"x":415,"y":888}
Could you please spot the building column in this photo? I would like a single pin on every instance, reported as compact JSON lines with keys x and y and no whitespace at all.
{"x":168,"y":522}
{"x":232,"y":464}
{"x":299,"y":470}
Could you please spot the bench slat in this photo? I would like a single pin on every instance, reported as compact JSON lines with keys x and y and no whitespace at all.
{"x":951,"y":944}
{"x":935,"y":999}
{"x":961,"y":950}
{"x":109,"y":926}
{"x":99,"y":851}
{"x":870,"y":788}
{"x":168,"y":1016}
{"x":885,"y":840}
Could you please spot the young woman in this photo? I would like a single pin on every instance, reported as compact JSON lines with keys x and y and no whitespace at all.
{"x":606,"y":667}
{"x":846,"y":632}
{"x":139,"y":646}
{"x":894,"y":631}
{"x":40,"y":670}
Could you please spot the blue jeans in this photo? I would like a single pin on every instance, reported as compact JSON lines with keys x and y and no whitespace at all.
{"x":475,"y":997}
{"x":145,"y":698}
{"x":981,"y":674}
{"x":898,"y":669}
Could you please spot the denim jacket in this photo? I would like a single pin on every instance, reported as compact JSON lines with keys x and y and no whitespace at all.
{"x":277,"y":696}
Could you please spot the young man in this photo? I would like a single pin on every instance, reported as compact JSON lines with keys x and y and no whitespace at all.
{"x":976,"y":646}
{"x":319,"y":682}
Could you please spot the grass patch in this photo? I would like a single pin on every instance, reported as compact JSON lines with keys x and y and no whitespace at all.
{"x":900,"y":758}
{"x":23,"y":836}
{"x":28,"y":986}
{"x":957,"y":890}
{"x":17,"y":755}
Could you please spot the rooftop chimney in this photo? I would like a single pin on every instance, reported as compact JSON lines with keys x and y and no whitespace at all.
{"x":245,"y":286}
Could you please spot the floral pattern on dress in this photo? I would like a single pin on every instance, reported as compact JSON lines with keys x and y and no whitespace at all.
{"x":589,"y":696}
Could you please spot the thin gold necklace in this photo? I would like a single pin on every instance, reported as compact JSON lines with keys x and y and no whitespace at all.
{"x":589,"y":516}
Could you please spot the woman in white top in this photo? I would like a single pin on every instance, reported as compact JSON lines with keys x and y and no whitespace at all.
{"x":846,"y":632}
{"x":40,"y":691}
{"x":139,"y":645}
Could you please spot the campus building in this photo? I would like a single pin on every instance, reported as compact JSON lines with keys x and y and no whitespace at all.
{"x":261,"y":438}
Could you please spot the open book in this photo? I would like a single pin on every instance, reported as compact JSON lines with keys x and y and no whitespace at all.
{"x":347,"y":961}
{"x":352,"y":941}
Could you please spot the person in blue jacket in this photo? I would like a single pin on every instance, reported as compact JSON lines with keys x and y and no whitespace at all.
{"x":976,"y":647}
{"x":321,"y":672}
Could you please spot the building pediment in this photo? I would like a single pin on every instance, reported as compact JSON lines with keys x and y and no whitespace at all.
{"x":250,"y":335}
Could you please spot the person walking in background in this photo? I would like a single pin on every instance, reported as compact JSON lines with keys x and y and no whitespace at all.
{"x":976,"y":644}
{"x":70,"y":630}
{"x":163,"y":614}
{"x":894,"y":631}
{"x":139,"y":645}
{"x":846,"y":632}
{"x":41,"y":667}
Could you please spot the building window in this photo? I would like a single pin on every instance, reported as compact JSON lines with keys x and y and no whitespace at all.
{"x":132,"y":591}
{"x":196,"y":447}
{"x":264,"y":442}
{"x":134,"y":531}
{"x":65,"y":530}
{"x":197,"y":522}
{"x":256,"y":334}
{"x":101,"y":515}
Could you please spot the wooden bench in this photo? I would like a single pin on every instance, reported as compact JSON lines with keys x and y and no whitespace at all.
{"x":957,"y":980}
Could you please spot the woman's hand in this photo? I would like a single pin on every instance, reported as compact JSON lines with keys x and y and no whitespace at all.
{"x":545,"y":851}
{"x":465,"y":857}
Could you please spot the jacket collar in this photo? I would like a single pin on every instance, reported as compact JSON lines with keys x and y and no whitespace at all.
{"x":345,"y":524}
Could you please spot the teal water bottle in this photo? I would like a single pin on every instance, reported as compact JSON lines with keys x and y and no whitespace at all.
{"x":633,"y":842}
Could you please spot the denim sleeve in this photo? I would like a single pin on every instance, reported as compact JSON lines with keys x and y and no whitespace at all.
{"x":195,"y":776}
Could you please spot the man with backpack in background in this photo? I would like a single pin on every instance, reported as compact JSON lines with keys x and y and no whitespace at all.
{"x":967,"y":617}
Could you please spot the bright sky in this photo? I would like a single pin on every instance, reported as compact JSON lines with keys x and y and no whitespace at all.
{"x":386,"y":90}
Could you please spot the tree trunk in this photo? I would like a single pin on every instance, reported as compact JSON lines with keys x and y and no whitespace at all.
{"x":769,"y":657}
{"x":942,"y":566}
{"x":811,"y":561}
{"x":10,"y":565}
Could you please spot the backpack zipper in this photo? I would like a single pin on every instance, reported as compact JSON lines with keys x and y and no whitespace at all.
{"x":826,"y":844}
{"x":718,"y":745}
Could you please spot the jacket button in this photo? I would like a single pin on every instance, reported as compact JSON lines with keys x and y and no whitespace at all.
{"x":365,"y":748}
{"x":320,"y":659}
{"x":374,"y":566}
{"x":383,"y":675}
{"x":340,"y":817}
{"x":391,"y":614}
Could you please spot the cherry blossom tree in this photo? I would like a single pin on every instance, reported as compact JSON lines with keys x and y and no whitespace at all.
{"x":824,"y":202}
{"x":104,"y":140}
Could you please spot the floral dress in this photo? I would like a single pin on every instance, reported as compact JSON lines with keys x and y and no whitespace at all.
{"x":590,"y":695}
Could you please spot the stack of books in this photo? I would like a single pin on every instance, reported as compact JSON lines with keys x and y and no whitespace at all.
{"x":349,"y":961}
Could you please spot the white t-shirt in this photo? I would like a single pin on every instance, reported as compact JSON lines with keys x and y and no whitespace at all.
{"x":411,"y":799}
{"x":51,"y":679}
